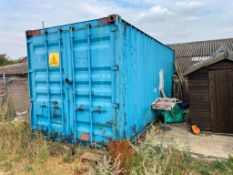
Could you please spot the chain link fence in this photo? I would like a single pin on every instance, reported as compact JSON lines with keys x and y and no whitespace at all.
{"x":14,"y":97}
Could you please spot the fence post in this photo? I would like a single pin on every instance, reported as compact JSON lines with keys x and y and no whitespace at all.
{"x":4,"y":78}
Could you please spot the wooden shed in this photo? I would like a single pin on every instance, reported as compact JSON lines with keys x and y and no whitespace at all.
{"x":210,"y":84}
{"x":190,"y":53}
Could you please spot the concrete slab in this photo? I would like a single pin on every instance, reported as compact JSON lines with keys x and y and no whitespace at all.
{"x":206,"y":144}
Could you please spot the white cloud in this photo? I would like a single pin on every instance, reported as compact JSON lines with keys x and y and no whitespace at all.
{"x":154,"y":14}
{"x":189,"y":6}
{"x":142,"y":2}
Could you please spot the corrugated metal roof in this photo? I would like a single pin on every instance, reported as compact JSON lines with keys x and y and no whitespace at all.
{"x":188,"y":54}
{"x":19,"y":68}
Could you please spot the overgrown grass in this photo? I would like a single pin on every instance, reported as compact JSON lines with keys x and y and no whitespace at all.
{"x":20,"y":154}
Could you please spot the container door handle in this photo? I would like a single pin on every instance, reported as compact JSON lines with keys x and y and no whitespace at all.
{"x":68,"y":81}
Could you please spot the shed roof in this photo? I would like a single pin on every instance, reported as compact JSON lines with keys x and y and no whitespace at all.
{"x":19,"y":68}
{"x":224,"y":55}
{"x":190,"y":53}
{"x":22,"y":60}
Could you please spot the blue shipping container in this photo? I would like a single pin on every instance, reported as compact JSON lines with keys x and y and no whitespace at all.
{"x":94,"y":81}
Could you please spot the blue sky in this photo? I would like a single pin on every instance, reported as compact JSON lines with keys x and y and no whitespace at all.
{"x":169,"y":21}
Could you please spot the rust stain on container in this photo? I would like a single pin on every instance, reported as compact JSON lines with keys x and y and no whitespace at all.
{"x":109,"y":19}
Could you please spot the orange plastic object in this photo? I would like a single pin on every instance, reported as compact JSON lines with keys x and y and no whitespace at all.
{"x":196,"y":130}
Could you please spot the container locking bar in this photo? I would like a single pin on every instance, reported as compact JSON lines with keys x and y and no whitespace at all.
{"x":89,"y":80}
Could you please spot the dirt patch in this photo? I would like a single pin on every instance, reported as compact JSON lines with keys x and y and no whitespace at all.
{"x":208,"y":145}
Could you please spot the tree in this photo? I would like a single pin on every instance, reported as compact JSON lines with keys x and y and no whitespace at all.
{"x":4,"y":60}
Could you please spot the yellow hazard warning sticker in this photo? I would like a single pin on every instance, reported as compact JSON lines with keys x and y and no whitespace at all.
{"x":54,"y":60}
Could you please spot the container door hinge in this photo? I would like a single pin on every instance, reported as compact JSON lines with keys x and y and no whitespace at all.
{"x":116,"y":105}
{"x":115,"y":68}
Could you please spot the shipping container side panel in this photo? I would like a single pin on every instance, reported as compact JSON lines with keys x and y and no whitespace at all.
{"x":148,"y":65}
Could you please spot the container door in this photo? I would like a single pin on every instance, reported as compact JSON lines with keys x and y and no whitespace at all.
{"x":93,"y":71}
{"x":48,"y":92}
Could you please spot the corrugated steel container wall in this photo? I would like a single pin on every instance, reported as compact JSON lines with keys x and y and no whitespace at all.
{"x":105,"y":76}
{"x":144,"y":59}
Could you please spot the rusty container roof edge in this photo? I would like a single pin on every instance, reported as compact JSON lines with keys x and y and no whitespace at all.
{"x":109,"y":19}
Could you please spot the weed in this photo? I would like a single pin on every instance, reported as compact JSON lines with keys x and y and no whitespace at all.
{"x":203,"y":170}
{"x":28,"y":169}
{"x":82,"y":170}
{"x":109,"y":166}
{"x":8,"y":111}
{"x":67,"y":157}
{"x":218,"y":165}
{"x":121,"y":151}
{"x":6,"y":166}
